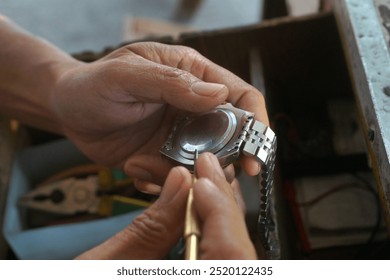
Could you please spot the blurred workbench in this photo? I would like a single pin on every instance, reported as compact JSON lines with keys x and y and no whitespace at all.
{"x":364,"y":27}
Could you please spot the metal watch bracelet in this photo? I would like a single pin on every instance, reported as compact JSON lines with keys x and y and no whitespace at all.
{"x":260,"y":142}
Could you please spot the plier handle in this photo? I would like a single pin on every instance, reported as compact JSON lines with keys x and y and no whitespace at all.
{"x":68,"y":196}
{"x":82,"y":195}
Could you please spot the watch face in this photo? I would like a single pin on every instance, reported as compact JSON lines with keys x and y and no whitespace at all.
{"x":217,"y":132}
{"x":206,"y":133}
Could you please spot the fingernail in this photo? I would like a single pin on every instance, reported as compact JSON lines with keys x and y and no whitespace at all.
{"x":215,"y":163}
{"x":140,"y":173}
{"x":152,"y":189}
{"x":206,"y":89}
{"x":258,"y":168}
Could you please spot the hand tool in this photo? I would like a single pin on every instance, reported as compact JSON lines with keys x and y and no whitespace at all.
{"x":82,"y":195}
{"x":191,"y":226}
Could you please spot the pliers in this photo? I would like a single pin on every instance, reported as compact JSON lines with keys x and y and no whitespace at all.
{"x":72,"y":196}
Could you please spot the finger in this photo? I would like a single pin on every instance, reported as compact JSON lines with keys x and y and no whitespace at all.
{"x":235,"y":184}
{"x":241,"y":94}
{"x":229,"y":173}
{"x":224,"y":232}
{"x":153,"y":82}
{"x":147,"y":187}
{"x":212,"y":199}
{"x":148,"y":168}
{"x":156,"y":230}
{"x":250,"y":165}
{"x":165,"y":84}
{"x":209,"y":167}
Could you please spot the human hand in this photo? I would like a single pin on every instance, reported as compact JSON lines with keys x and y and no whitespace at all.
{"x":220,"y":209}
{"x":119,"y":109}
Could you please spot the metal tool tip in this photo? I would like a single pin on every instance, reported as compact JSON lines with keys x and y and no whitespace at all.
{"x":196,"y":155}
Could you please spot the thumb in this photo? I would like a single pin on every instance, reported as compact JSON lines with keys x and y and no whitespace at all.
{"x":179,"y":88}
{"x":224,"y":232}
{"x":152,"y":234}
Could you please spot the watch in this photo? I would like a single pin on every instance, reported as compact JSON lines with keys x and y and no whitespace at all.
{"x":228,"y":132}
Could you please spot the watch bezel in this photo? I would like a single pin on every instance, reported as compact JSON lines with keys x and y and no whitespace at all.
{"x":226,"y":153}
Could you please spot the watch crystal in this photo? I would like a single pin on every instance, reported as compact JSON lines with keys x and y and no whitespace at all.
{"x":206,"y":133}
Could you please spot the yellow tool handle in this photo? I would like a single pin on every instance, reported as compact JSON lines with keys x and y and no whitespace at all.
{"x":191,"y":229}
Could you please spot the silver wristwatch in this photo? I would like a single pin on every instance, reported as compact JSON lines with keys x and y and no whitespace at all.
{"x":227,"y":132}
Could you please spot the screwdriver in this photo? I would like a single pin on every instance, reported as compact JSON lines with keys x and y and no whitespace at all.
{"x":191,"y":226}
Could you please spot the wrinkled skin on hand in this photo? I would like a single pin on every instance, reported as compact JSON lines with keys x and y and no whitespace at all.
{"x":120,"y":109}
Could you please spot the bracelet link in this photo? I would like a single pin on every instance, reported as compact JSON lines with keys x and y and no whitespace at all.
{"x":260,"y":142}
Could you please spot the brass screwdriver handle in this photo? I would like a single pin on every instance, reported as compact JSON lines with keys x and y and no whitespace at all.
{"x":191,"y":224}
{"x":191,"y":229}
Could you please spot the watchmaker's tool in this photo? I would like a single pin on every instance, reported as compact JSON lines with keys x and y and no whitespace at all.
{"x":191,"y":226}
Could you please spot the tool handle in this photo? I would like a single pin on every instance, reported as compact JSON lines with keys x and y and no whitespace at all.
{"x":191,"y":229}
